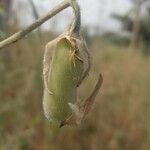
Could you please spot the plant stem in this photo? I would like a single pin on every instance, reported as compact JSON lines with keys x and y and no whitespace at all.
{"x":75,"y":26}
{"x":20,"y":34}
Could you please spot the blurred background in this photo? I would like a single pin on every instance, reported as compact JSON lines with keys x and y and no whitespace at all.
{"x":118,"y":36}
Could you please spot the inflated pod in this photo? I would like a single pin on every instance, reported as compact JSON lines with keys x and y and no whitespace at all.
{"x":66,"y":64}
{"x":66,"y":71}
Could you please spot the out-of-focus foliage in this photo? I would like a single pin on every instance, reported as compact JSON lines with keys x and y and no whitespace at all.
{"x":4,"y":17}
{"x":144,"y":22}
{"x":115,"y":38}
{"x":127,"y":23}
{"x":2,"y":26}
{"x":118,"y":121}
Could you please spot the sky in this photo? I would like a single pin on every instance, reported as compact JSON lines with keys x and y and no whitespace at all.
{"x":94,"y":13}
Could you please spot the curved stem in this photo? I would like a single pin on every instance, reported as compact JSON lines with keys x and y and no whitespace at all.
{"x":75,"y":27}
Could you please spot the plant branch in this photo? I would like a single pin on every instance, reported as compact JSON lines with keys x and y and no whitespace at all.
{"x":20,"y":34}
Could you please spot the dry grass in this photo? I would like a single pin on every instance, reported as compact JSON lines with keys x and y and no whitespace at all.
{"x":118,"y":121}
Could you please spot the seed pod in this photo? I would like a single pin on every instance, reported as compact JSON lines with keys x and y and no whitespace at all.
{"x":69,"y":66}
{"x":61,"y":80}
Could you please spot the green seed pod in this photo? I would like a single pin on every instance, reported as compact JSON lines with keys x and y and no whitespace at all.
{"x":65,"y":73}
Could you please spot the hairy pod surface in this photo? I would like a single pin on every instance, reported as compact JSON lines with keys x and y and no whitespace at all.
{"x":66,"y":71}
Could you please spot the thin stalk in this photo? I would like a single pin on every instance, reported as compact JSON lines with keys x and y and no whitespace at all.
{"x":20,"y":34}
{"x":76,"y":23}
